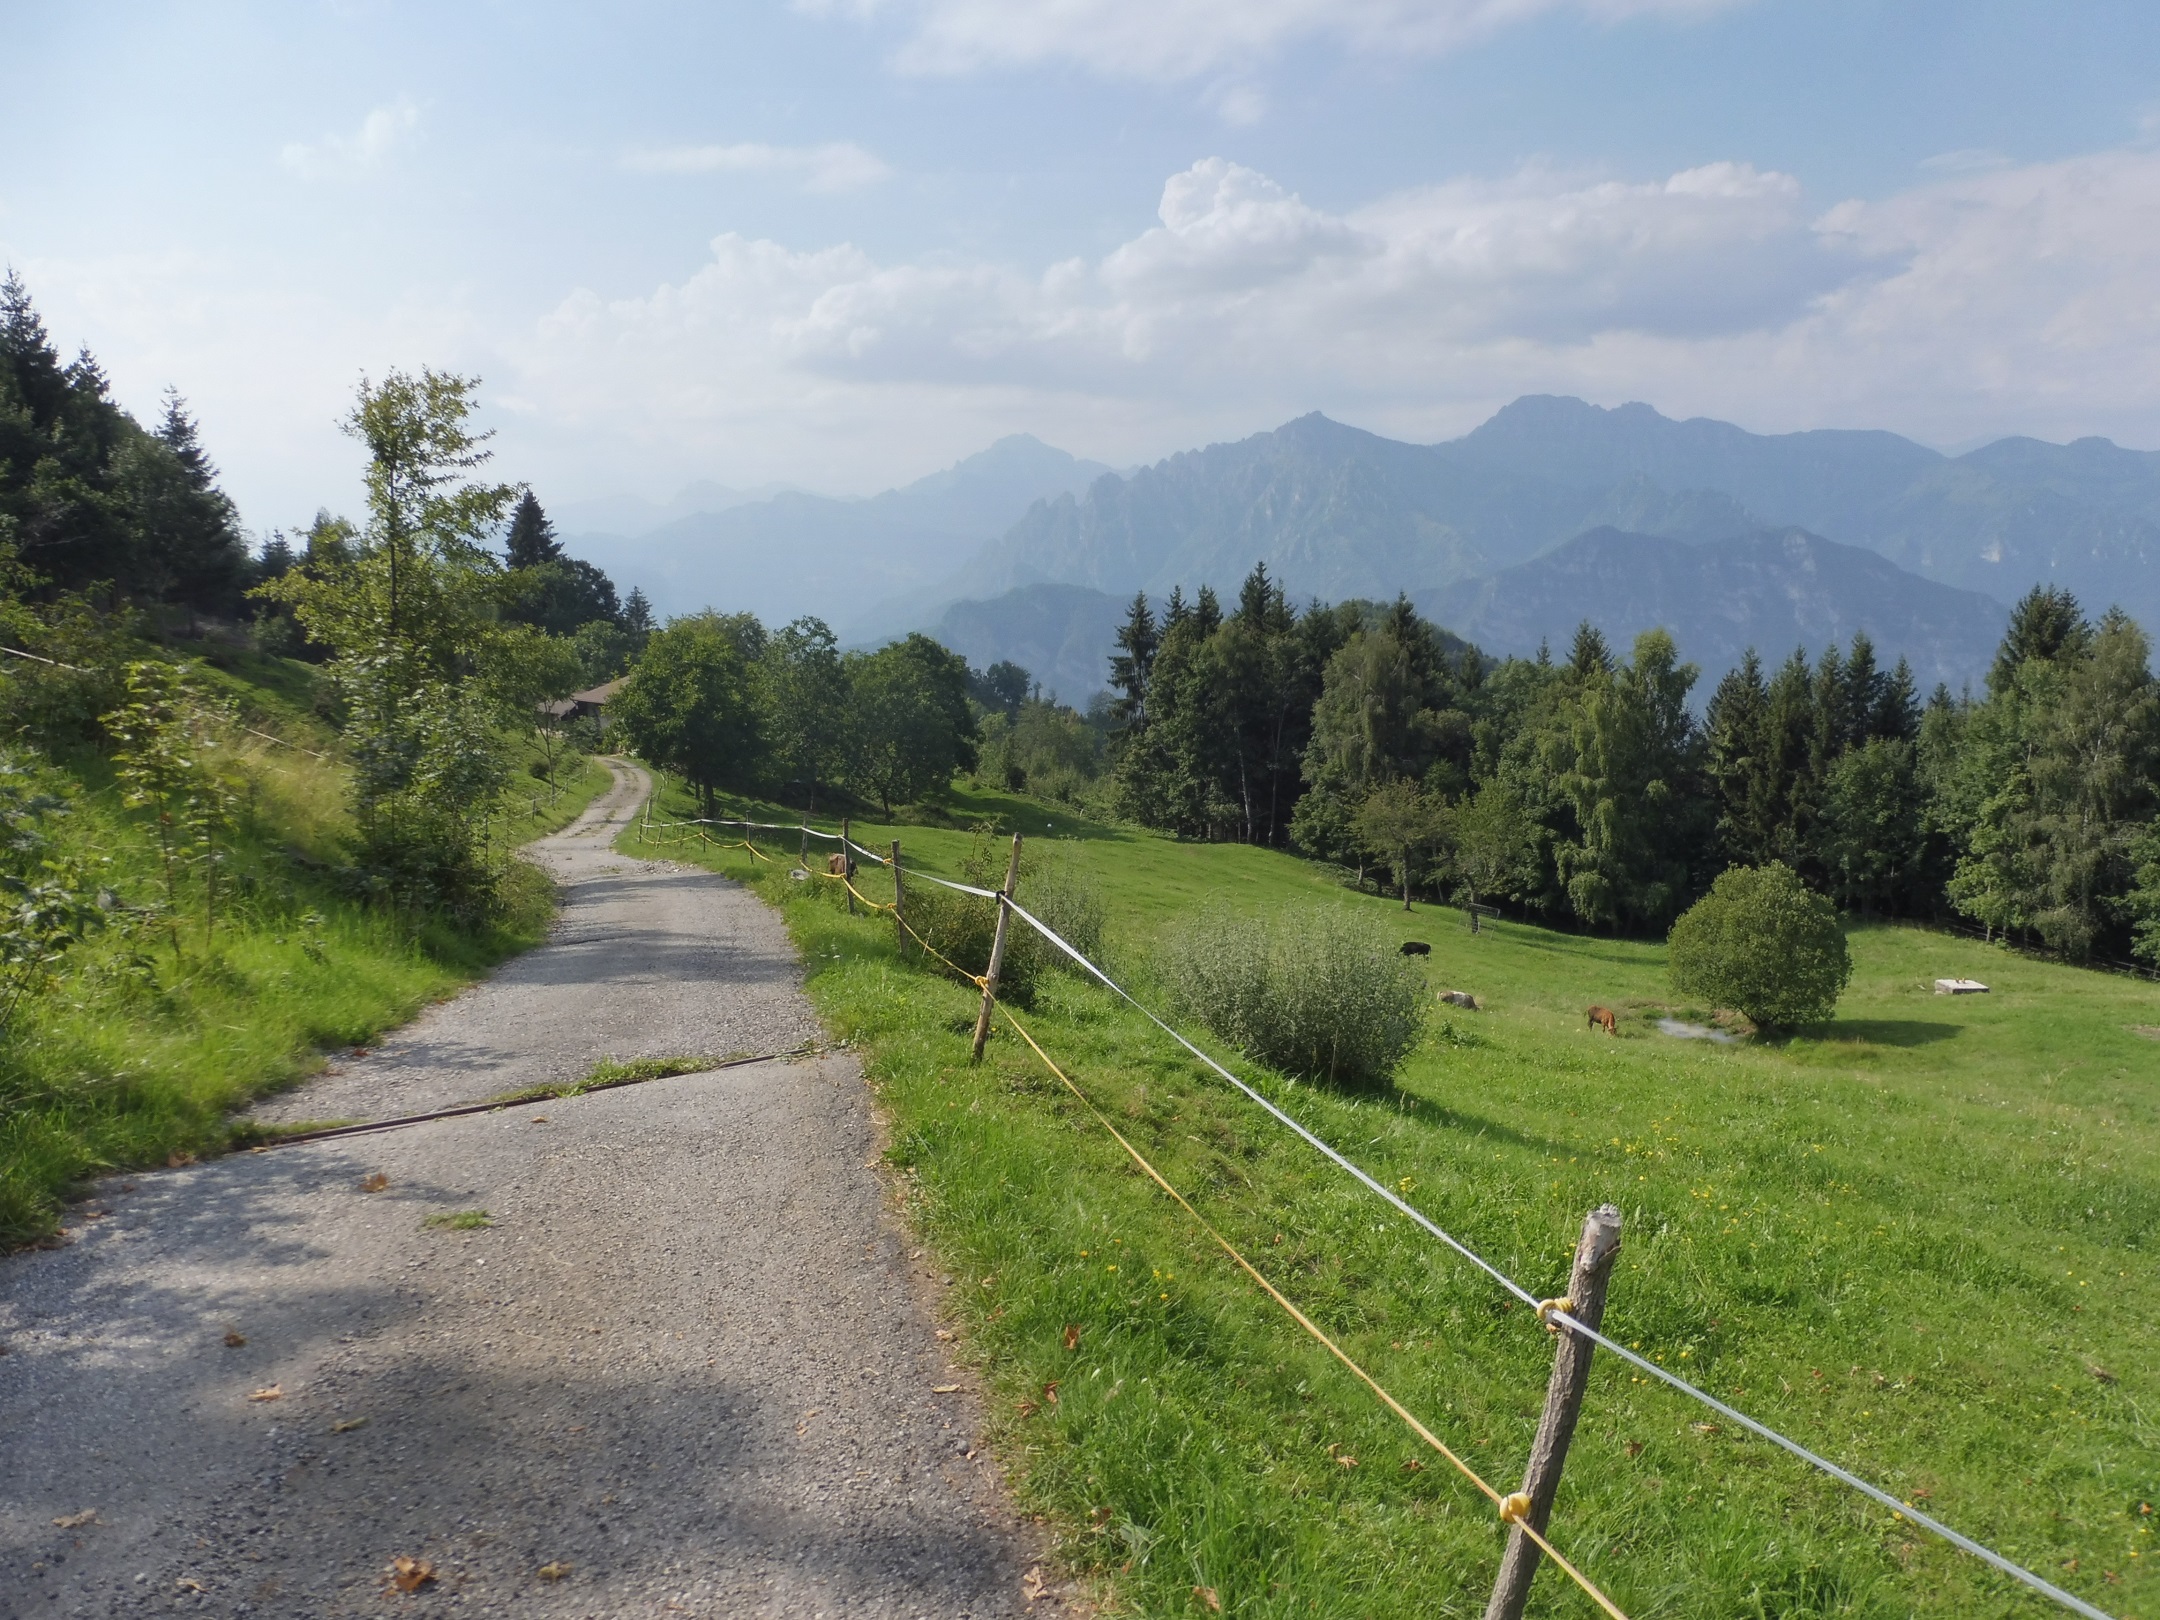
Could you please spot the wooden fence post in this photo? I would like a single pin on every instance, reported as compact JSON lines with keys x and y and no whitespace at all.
{"x":997,"y":952}
{"x":847,"y":867}
{"x":1563,"y":1404}
{"x":899,"y":902}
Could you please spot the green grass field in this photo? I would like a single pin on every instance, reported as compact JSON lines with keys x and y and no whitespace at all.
{"x":142,"y":1051}
{"x":1920,"y":1240}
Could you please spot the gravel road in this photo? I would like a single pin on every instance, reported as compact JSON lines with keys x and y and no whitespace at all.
{"x":689,"y":1369}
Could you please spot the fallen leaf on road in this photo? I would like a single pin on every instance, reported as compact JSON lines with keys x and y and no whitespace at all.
{"x":944,"y":1389}
{"x":410,"y":1574}
{"x":538,"y":1119}
{"x":188,"y":1583}
{"x":1207,"y":1595}
{"x":348,"y":1425}
{"x":75,"y":1521}
{"x":1072,"y":1335}
{"x":234,"y":1338}
{"x":179,"y":1161}
{"x":554,"y":1572}
{"x":375,"y":1183}
{"x":269,"y":1392}
{"x":1032,"y":1584}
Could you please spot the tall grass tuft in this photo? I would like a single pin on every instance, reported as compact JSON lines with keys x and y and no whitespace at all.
{"x":1313,"y":991}
{"x":1052,"y":887}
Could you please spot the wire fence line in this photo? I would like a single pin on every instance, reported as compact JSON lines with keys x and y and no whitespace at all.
{"x":1548,"y":1311}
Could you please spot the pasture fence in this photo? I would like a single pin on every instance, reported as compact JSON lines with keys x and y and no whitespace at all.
{"x":1574,"y":1318}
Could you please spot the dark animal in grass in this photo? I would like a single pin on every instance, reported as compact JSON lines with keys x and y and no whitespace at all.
{"x":1416,"y":947}
{"x":1460,"y":998}
{"x":1604,"y":1019}
{"x":838,"y":866}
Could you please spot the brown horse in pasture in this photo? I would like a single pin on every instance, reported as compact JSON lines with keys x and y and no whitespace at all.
{"x":1603,"y":1018}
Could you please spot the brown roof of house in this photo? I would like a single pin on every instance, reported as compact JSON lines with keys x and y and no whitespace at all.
{"x":599,"y":695}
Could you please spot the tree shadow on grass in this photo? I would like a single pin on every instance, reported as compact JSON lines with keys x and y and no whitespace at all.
{"x":1455,"y":1120}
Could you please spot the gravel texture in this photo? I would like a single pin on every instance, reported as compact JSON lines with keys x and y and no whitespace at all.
{"x":691,"y":1367}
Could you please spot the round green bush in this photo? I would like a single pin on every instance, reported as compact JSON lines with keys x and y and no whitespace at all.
{"x":1764,"y":944}
{"x":1312,"y":991}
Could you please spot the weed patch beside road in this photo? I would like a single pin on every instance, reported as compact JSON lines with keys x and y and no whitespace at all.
{"x":140,"y":1055}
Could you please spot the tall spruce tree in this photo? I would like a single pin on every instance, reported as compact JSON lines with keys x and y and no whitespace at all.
{"x":1137,"y":641}
{"x":531,"y":539}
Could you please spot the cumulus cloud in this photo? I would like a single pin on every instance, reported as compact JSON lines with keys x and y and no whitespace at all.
{"x":384,"y":131}
{"x":2010,"y":299}
{"x":834,"y":166}
{"x":1170,"y":39}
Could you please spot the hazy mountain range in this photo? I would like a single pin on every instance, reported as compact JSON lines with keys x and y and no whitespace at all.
{"x":1552,"y":511}
{"x":866,"y":567}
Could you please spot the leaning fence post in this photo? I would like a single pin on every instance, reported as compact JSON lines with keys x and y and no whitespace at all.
{"x":1585,"y":1303}
{"x":847,"y":867}
{"x":997,"y":951}
{"x":899,"y":900}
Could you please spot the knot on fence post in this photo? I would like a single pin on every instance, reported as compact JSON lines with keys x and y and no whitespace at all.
{"x":1531,"y":1507}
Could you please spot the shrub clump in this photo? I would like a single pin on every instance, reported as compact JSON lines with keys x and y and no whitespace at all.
{"x":961,"y":927}
{"x":1762,"y":943}
{"x":1312,"y":991}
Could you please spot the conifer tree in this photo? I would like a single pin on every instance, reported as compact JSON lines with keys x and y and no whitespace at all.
{"x":531,"y":540}
{"x":1137,"y":641}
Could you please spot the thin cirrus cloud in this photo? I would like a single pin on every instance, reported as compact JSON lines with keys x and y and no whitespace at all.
{"x":1961,"y":306}
{"x":1173,"y":39}
{"x":833,"y":166}
{"x":384,"y":131}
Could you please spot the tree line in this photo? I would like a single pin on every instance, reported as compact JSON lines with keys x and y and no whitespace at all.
{"x":1585,"y":790}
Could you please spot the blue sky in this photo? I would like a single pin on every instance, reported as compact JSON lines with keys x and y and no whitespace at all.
{"x":840,"y":244}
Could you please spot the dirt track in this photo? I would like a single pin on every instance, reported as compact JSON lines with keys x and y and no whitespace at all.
{"x":688,"y":1369}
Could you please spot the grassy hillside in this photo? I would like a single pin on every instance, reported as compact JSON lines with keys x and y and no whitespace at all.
{"x":1920,"y":1240}
{"x":144,"y":1049}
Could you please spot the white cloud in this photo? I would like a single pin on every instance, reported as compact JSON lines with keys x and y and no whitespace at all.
{"x":1170,"y":39}
{"x":382,"y":132}
{"x":1980,"y":302}
{"x":834,"y":166}
{"x":2004,"y":300}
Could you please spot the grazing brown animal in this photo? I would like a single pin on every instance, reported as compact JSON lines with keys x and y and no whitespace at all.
{"x":1603,"y":1018}
{"x":1460,"y":998}
{"x":838,"y":866}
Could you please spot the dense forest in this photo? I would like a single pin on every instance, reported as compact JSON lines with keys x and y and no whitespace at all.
{"x":1586,"y":790}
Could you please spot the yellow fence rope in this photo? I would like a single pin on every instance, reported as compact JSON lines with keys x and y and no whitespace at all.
{"x":1513,"y":1508}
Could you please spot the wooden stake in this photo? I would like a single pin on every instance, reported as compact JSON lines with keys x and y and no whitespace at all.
{"x":899,"y":901}
{"x":997,"y":951}
{"x":847,"y":868}
{"x":1563,"y":1404}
